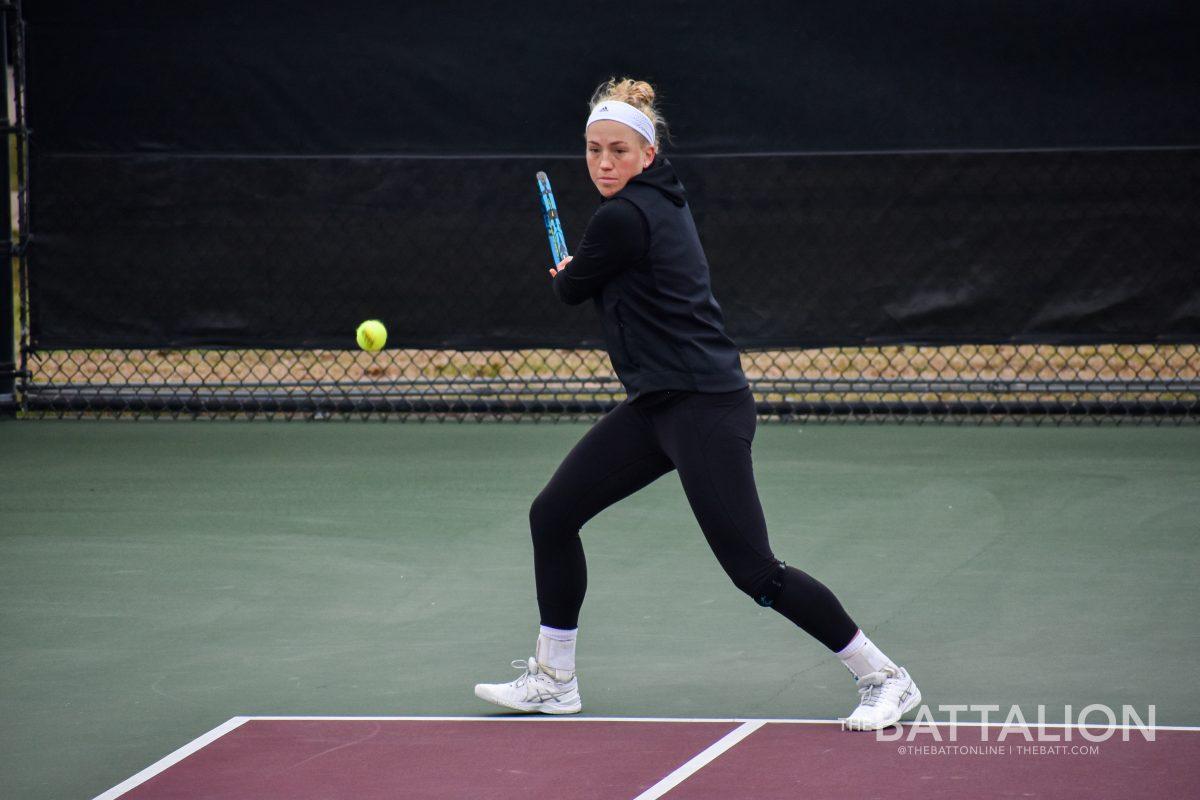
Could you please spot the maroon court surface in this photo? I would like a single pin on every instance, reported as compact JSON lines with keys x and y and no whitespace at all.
{"x":801,"y":761}
{"x":519,"y":758}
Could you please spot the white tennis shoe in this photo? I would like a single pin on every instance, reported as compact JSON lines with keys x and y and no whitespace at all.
{"x":883,"y":697}
{"x":535,"y":690}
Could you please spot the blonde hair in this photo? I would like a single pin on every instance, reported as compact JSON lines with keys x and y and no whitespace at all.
{"x":638,"y":94}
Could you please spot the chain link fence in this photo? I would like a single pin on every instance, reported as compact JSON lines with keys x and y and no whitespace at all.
{"x":931,"y":247}
{"x":1017,"y":383}
{"x":165,"y":268}
{"x":883,"y":247}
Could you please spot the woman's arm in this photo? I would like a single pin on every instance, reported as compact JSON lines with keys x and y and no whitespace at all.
{"x":617,"y":237}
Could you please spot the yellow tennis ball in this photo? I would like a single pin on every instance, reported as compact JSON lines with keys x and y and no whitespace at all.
{"x":371,"y":335}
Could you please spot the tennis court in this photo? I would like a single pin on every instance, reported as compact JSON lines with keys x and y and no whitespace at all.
{"x":161,"y":579}
{"x":309,"y":306}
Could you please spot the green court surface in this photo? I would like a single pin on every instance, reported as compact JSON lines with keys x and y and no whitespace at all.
{"x":158,"y":578}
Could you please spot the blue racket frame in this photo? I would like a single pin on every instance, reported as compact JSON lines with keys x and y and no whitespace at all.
{"x":554,"y":231}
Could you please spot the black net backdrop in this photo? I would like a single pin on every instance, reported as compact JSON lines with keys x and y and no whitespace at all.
{"x":226,"y":175}
{"x":804,"y":250}
{"x":424,"y":77}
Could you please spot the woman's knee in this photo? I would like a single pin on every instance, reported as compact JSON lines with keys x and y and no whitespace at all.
{"x":547,"y":520}
{"x":761,"y":580}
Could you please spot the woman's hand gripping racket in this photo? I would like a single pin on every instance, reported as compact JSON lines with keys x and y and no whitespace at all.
{"x":558,"y":245}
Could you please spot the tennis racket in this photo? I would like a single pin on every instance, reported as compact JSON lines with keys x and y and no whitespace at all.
{"x":558,"y":245}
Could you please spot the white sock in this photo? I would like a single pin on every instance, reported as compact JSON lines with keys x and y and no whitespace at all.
{"x":556,"y":652}
{"x":861,"y":656}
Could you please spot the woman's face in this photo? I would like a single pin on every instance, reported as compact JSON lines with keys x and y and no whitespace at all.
{"x":615,"y":153}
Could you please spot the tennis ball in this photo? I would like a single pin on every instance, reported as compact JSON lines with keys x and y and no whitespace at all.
{"x":371,"y":336}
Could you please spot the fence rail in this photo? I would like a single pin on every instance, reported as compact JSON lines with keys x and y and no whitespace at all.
{"x":1013,"y":383}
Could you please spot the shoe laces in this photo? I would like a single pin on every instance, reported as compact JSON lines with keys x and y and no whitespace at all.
{"x":528,"y":666}
{"x":876,"y":686}
{"x":536,"y":683}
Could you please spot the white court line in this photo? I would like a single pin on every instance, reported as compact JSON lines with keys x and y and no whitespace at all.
{"x":549,"y":718}
{"x":699,"y":760}
{"x":559,"y":719}
{"x":174,"y":758}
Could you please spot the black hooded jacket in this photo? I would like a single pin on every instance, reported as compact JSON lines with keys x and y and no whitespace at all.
{"x":641,"y":260}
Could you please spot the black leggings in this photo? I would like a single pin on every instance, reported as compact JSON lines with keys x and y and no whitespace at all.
{"x":706,"y":438}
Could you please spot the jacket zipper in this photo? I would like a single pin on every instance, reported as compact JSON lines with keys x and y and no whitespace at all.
{"x":621,"y":333}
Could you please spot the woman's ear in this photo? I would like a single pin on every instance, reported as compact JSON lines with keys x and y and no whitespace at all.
{"x":649,"y":159}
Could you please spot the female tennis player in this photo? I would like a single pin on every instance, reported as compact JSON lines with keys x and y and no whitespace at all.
{"x":689,"y":409}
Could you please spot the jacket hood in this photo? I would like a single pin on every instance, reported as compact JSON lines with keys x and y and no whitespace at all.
{"x":661,"y":175}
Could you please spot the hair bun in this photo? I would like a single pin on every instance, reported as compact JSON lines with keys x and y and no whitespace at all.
{"x":639,"y":94}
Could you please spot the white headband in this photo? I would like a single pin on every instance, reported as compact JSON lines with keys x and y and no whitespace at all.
{"x":626,"y":115}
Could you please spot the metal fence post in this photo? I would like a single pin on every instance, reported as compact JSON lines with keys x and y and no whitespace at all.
{"x":8,"y":300}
